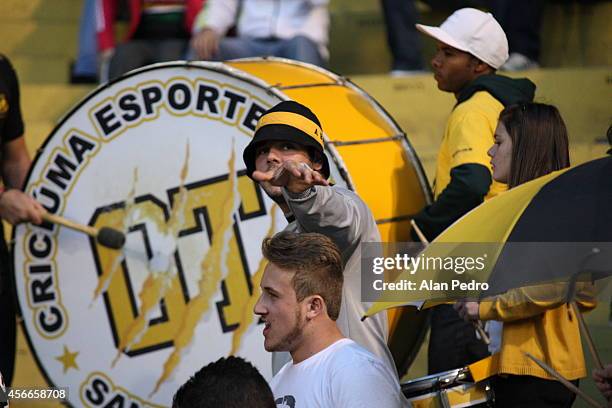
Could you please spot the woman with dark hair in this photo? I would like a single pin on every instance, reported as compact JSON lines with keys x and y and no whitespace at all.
{"x":530,"y":142}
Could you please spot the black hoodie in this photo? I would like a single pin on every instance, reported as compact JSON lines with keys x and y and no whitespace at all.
{"x":508,"y":91}
{"x":470,"y":183}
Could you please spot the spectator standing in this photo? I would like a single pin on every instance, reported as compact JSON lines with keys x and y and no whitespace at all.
{"x":15,"y":206}
{"x":85,"y":67}
{"x":471,"y":46}
{"x":402,"y":37}
{"x":159,"y":31}
{"x":531,"y":141}
{"x":295,"y":29}
{"x":521,"y":20}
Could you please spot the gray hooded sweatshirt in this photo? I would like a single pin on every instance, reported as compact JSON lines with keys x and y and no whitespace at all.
{"x":342,"y":216}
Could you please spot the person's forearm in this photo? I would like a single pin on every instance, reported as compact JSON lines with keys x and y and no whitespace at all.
{"x":523,"y":303}
{"x":323,"y":209}
{"x":217,"y":15}
{"x":14,"y":172}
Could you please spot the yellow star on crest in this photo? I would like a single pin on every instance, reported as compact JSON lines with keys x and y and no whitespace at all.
{"x":68,"y":359}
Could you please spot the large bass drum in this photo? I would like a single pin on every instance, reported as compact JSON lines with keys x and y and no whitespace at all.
{"x":157,"y":154}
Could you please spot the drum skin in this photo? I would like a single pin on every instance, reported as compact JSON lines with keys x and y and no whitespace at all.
{"x":386,"y":174}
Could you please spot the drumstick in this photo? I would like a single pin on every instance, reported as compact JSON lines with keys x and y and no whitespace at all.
{"x":587,"y":336}
{"x":483,"y":334}
{"x":109,"y":237}
{"x":563,"y":381}
{"x":419,"y":232}
{"x":477,"y":325}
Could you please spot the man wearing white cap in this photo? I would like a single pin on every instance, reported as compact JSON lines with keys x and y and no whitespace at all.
{"x":471,"y":46}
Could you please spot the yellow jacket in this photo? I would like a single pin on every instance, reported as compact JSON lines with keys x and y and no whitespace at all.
{"x":537,"y":320}
{"x":467,"y":138}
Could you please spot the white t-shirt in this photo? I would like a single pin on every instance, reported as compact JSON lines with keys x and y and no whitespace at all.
{"x":342,"y":375}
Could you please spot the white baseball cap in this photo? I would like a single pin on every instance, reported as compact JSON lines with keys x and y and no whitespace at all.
{"x":472,"y":31}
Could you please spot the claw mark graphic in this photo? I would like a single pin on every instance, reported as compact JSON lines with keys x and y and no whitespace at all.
{"x":117,"y":257}
{"x":213,"y":271}
{"x":247,"y":312}
{"x":162,"y":269}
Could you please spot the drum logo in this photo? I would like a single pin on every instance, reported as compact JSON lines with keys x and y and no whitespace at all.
{"x":157,"y":156}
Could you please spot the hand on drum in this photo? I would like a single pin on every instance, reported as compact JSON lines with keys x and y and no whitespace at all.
{"x":295,"y":176}
{"x":468,"y":311}
{"x":16,"y":207}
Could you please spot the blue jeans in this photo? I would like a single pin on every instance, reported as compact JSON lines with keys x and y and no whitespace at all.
{"x":403,"y":38}
{"x":298,"y":48}
{"x":86,"y":62}
{"x":521,"y":20}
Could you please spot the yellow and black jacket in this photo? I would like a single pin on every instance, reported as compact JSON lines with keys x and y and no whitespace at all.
{"x":463,"y":173}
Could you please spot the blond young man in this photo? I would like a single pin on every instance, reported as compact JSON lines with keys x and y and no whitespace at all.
{"x":300,"y":303}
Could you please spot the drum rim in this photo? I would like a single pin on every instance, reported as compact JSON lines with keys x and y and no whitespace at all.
{"x":442,"y":383}
{"x":448,"y":374}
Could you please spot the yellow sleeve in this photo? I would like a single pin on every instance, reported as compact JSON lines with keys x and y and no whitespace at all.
{"x":531,"y":301}
{"x":470,"y":137}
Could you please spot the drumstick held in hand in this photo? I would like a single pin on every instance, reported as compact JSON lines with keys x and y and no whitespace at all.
{"x":477,"y":325}
{"x":106,"y":236}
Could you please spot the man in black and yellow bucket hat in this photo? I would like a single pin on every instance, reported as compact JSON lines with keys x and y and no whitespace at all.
{"x":294,"y":135}
{"x":286,"y":157}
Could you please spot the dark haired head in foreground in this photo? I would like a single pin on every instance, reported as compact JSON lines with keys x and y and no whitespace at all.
{"x":229,"y":382}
